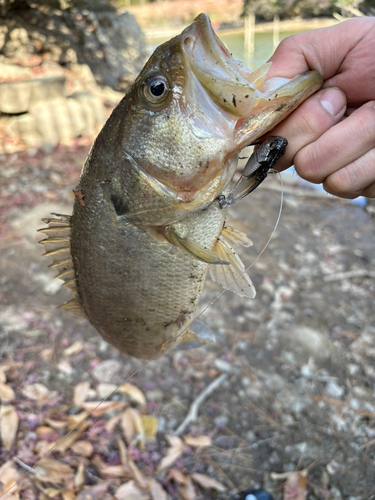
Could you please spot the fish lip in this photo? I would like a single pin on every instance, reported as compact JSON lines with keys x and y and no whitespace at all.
{"x":216,"y":69}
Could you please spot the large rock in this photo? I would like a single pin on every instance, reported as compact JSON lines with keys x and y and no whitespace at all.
{"x":111,"y":44}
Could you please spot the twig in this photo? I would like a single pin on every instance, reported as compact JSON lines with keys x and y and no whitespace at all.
{"x":349,"y":274}
{"x":29,"y":469}
{"x":193,"y":412}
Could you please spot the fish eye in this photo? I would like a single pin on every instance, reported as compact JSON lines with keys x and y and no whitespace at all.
{"x":156,"y":89}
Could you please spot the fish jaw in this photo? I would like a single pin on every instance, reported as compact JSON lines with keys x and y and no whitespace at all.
{"x":255,"y":104}
{"x":217,"y":71}
{"x":273,"y":105}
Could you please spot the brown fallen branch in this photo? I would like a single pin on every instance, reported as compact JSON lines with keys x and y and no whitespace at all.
{"x":193,"y":412}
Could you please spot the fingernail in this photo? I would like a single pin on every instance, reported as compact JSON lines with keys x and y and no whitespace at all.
{"x":333,"y":100}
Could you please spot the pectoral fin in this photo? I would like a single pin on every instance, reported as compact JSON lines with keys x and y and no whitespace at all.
{"x":234,"y":276}
{"x":198,"y":251}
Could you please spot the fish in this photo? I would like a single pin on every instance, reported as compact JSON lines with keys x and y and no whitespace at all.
{"x":147,"y":222}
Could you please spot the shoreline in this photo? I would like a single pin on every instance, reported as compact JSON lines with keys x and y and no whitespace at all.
{"x":267,"y":27}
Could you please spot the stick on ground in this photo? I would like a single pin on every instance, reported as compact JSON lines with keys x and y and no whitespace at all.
{"x":193,"y":412}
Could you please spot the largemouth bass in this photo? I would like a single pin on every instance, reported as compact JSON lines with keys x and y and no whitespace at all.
{"x":147,"y":222}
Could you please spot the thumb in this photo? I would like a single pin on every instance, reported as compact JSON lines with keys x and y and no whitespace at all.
{"x":309,"y":121}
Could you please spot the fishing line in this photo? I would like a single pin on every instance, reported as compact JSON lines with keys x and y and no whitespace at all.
{"x":140,"y":368}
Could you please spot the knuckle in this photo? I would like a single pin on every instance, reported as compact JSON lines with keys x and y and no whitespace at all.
{"x":366,"y":119}
{"x":308,"y":164}
{"x":341,"y":183}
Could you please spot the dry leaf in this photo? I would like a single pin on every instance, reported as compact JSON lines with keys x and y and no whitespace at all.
{"x":123,"y":452}
{"x":174,"y":440}
{"x":79,"y":478}
{"x":56,"y":424}
{"x":10,"y":478}
{"x":112,"y":422}
{"x":131,"y":425}
{"x":43,"y":429}
{"x":125,"y":491}
{"x":8,"y":425}
{"x":196,"y":442}
{"x":295,"y":487}
{"x":68,"y":495}
{"x":135,"y":394}
{"x":177,"y":476}
{"x":104,"y":389}
{"x":108,"y":470}
{"x":188,"y":491}
{"x":136,"y":474}
{"x":150,"y":426}
{"x":207,"y":482}
{"x":78,"y":420}
{"x":81,"y":391}
{"x":36,"y":392}
{"x":74,"y":348}
{"x":3,"y":378}
{"x":50,"y":470}
{"x":6,"y":393}
{"x":83,"y":448}
{"x":99,"y":408}
{"x":157,"y":491}
{"x":172,"y":455}
{"x":43,"y":447}
{"x":66,"y":442}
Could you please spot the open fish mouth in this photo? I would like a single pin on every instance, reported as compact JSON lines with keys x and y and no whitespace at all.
{"x":255,"y":104}
{"x":229,"y":83}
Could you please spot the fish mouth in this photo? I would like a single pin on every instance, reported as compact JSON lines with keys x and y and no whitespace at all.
{"x":227,"y":81}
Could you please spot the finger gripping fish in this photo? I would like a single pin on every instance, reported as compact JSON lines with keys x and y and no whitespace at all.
{"x":147,"y":223}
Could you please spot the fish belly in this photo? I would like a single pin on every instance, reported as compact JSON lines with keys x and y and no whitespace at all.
{"x":137,"y":289}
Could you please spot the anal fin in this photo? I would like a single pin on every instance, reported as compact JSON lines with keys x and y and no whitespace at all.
{"x":198,"y":251}
{"x":236,"y":237}
{"x":233,"y":277}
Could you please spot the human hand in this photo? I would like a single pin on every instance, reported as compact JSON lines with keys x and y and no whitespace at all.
{"x":332,"y":137}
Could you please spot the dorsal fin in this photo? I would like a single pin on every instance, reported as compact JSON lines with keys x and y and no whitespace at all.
{"x":57,"y":246}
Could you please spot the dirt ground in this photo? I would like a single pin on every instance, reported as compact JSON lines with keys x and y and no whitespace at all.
{"x":299,"y":359}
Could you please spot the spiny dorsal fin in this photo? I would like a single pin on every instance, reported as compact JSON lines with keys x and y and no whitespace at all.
{"x":57,"y":246}
{"x":232,"y":277}
{"x":73,"y":306}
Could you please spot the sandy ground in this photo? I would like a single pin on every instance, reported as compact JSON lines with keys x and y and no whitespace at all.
{"x":299,"y":359}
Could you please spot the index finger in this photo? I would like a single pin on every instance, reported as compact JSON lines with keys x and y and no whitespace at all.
{"x":323,"y":49}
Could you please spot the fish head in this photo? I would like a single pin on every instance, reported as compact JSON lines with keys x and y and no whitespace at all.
{"x":192,"y":109}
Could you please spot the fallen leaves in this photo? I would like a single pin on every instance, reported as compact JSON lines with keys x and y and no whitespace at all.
{"x":6,"y":393}
{"x":38,"y":393}
{"x":295,"y":486}
{"x":8,"y":425}
{"x":77,"y":440}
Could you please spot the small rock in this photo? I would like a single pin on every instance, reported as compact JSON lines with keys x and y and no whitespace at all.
{"x":221,"y":421}
{"x":223,"y":366}
{"x":334,"y":390}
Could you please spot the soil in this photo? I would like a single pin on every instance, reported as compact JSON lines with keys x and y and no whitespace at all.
{"x":299,"y":359}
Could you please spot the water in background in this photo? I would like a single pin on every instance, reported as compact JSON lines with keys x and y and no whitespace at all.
{"x":235,"y":44}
